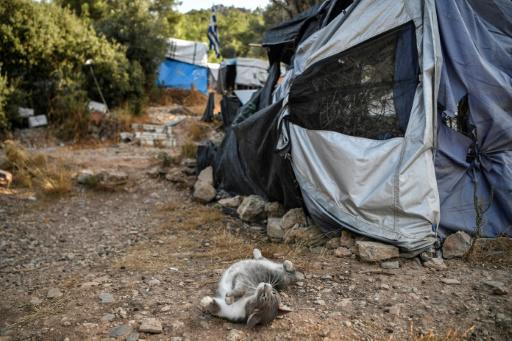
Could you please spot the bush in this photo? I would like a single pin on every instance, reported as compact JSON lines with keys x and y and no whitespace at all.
{"x":5,"y":90}
{"x":44,"y":49}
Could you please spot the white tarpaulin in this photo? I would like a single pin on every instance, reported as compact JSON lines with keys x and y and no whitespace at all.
{"x":251,"y":72}
{"x":191,"y":52}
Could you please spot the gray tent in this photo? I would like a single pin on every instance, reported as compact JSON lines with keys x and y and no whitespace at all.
{"x":394,"y":119}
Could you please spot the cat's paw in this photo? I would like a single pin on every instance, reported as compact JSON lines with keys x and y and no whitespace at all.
{"x":257,"y":254}
{"x":209,"y":305}
{"x":229,"y":299}
{"x":288,"y":266}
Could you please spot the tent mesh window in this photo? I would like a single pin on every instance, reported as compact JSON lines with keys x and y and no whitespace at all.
{"x":365,"y":91}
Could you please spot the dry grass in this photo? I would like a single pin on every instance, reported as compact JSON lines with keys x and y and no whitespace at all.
{"x":36,"y":171}
{"x":451,"y":335}
{"x":188,"y":151}
{"x":198,"y":130}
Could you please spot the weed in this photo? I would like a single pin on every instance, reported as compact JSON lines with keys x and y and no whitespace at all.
{"x":35,"y":171}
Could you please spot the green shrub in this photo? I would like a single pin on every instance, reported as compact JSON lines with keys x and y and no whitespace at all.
{"x":5,"y":91}
{"x":44,"y":49}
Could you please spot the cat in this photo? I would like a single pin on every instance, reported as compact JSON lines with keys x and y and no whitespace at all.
{"x":247,"y":291}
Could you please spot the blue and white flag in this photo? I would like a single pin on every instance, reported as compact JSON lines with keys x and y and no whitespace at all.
{"x":213,"y":34}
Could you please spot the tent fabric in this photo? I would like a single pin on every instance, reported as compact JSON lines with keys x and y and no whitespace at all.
{"x":366,"y":185}
{"x":475,"y":162}
{"x":251,"y":72}
{"x":176,"y":74}
{"x":187,"y":51}
{"x":430,"y":79}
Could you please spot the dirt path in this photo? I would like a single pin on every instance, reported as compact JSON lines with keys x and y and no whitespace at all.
{"x":150,"y":251}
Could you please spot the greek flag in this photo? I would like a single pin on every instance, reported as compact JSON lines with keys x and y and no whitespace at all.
{"x":213,"y":34}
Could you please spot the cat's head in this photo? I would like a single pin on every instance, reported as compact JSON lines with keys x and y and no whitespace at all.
{"x":264,"y":307}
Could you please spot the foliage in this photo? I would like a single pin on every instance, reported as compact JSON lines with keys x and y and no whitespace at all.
{"x":44,"y":49}
{"x":5,"y":91}
{"x":237,"y":29}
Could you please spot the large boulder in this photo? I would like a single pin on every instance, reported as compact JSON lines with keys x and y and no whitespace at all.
{"x":347,"y":239}
{"x":456,"y":245}
{"x":206,"y":175}
{"x":375,"y":252}
{"x":310,"y":236}
{"x":274,"y":209}
{"x":252,"y":208}
{"x":293,"y":217}
{"x":204,"y":192}
{"x":274,"y":230}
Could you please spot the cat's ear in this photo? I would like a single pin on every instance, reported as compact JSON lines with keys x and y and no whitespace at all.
{"x":253,"y":320}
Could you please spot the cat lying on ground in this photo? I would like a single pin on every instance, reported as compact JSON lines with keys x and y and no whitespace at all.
{"x":247,"y":290}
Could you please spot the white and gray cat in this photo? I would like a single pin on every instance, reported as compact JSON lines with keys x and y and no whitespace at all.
{"x":247,"y":290}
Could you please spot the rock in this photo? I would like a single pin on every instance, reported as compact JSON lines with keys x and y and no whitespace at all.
{"x":106,"y":298}
{"x":456,"y":245}
{"x":345,"y":303}
{"x":333,"y":243}
{"x":374,"y":251}
{"x":189,"y":163}
{"x":206,"y":176}
{"x":293,"y":217}
{"x":435,"y":264}
{"x":310,"y":236}
{"x":232,"y":202}
{"x":320,"y":302}
{"x":36,"y":301}
{"x":346,"y":239}
{"x":151,"y":325}
{"x":393,"y":310}
{"x":154,"y":282}
{"x":274,"y":230}
{"x":112,"y":179}
{"x":5,"y":179}
{"x":503,"y":320}
{"x":126,"y":136}
{"x":108,"y":317}
{"x":165,"y":308}
{"x":450,"y":281}
{"x":394,"y":264}
{"x":384,"y":286}
{"x":85,"y":177}
{"x":134,"y":336}
{"x":341,"y":252}
{"x":176,"y":175}
{"x":54,"y":293}
{"x":204,"y":192}
{"x":252,"y":208}
{"x":235,"y":335}
{"x":497,"y":288}
{"x":274,"y":209}
{"x":120,"y":331}
{"x":177,"y":326}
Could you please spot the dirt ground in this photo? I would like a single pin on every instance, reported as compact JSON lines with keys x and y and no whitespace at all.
{"x":149,"y":250}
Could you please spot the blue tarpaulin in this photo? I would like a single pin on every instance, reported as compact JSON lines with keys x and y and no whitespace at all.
{"x":176,"y":74}
{"x":474,"y":168}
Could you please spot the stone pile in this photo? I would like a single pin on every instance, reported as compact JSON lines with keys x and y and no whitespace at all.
{"x":150,"y":135}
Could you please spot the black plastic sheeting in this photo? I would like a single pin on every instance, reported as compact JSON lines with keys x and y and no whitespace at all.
{"x":283,"y":39}
{"x":229,"y":106}
{"x":474,"y":166}
{"x":208,"y":111}
{"x":246,"y":162}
